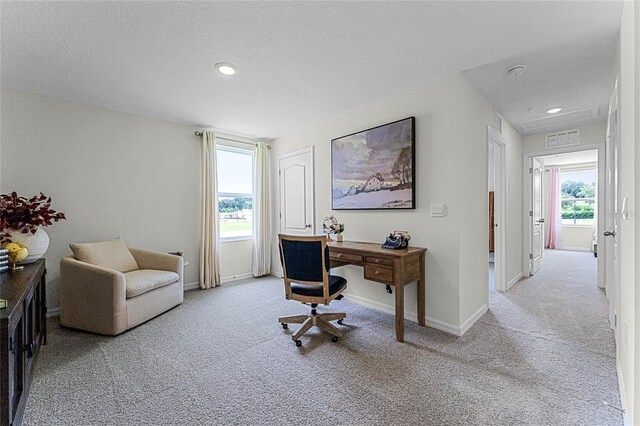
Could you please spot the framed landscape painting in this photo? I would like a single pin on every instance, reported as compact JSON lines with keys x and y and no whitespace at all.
{"x":375,"y":168}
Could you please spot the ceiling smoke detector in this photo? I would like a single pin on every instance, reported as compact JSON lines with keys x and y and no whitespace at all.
{"x":516,"y":71}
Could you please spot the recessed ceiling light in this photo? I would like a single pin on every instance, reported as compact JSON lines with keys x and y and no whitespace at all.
{"x":516,"y":71}
{"x":554,"y":110}
{"x":226,"y":68}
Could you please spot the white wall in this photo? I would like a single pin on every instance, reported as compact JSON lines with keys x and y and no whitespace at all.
{"x":451,"y":169}
{"x":113,"y":174}
{"x":591,"y":134}
{"x":514,"y":248}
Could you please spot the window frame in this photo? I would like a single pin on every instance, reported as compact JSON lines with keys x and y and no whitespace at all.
{"x":575,"y":170}
{"x":243,"y":151}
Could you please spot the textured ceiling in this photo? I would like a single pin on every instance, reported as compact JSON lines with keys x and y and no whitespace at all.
{"x":576,"y":76}
{"x":299,"y":62}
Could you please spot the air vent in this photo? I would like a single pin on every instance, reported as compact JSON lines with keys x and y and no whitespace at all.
{"x":568,"y":138}
{"x":558,"y":120}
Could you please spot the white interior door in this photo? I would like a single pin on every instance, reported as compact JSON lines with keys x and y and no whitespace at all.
{"x":536,"y":170}
{"x":498,"y":174}
{"x":612,"y":213}
{"x":297,"y":210}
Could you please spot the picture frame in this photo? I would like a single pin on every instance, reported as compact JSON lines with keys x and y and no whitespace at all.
{"x":374,"y":169}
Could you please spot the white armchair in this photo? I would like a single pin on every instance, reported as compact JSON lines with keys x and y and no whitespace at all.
{"x":107,"y":288}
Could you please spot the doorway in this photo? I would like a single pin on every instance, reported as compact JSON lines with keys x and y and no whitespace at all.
{"x":497,"y":201}
{"x":564,"y":204}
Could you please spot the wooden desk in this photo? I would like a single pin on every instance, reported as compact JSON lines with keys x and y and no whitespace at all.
{"x":394,"y":267}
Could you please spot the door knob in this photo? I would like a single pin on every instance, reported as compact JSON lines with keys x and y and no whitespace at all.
{"x":308,"y":226}
{"x":609,"y":233}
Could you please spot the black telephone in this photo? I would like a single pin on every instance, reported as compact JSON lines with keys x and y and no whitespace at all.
{"x":397,"y":240}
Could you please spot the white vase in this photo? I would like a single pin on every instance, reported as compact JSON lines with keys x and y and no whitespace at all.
{"x":37,"y":244}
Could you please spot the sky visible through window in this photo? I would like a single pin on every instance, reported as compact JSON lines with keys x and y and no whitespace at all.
{"x":235,"y":173}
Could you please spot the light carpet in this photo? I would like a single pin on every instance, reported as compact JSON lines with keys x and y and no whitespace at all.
{"x":542,"y":355}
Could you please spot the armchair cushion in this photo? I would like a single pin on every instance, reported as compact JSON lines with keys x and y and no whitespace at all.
{"x":112,"y":254}
{"x":144,"y":280}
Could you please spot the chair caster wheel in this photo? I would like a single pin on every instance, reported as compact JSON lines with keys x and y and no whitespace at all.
{"x":298,"y":343}
{"x":340,"y":321}
{"x":334,"y":339}
{"x":284,"y":325}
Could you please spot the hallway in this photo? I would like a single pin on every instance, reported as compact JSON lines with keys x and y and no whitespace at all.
{"x":558,"y":322}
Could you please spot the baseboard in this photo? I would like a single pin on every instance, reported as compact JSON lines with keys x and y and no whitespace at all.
{"x":378,"y":306}
{"x":457,"y":330}
{"x":191,"y":286}
{"x":473,"y":319}
{"x":514,"y":280}
{"x":430,"y":322}
{"x":443,"y":326}
{"x":626,"y":418}
{"x":53,"y":312}
{"x":575,"y":249}
{"x":233,"y":278}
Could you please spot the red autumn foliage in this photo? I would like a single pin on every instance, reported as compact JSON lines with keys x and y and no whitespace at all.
{"x":26,"y":214}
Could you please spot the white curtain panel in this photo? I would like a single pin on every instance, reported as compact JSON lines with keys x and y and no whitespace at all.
{"x":554,"y":218}
{"x":210,"y":228}
{"x":261,"y":264}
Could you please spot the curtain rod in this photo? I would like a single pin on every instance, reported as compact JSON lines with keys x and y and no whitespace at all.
{"x":199,"y":133}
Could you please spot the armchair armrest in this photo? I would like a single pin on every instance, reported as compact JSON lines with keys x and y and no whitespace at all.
{"x":148,"y":259}
{"x":92,"y":298}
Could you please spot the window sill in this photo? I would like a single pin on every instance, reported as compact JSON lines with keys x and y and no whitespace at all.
{"x":232,"y":239}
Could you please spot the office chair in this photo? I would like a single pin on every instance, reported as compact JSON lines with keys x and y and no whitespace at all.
{"x":305,"y":264}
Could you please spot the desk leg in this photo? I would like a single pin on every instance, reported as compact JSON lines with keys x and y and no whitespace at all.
{"x":421,"y":292}
{"x":399,"y":312}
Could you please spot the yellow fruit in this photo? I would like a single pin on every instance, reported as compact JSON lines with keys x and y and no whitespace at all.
{"x":17,"y":252}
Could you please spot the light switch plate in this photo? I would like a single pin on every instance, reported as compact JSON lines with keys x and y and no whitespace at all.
{"x":438,"y":210}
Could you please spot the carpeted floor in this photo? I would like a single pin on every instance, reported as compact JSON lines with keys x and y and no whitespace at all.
{"x":543,"y":354}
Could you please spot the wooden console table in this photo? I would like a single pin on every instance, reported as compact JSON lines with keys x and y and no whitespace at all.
{"x":394,"y":267}
{"x":23,"y":328}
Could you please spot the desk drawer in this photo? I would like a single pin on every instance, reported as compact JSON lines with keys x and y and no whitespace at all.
{"x":346,"y":257}
{"x":379,"y":261}
{"x":378,"y":273}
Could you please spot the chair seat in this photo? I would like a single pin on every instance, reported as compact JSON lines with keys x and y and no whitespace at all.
{"x":144,"y":280}
{"x":336,"y":285}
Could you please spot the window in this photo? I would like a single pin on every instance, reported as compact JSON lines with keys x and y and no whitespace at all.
{"x":235,"y":192}
{"x":577,"y":193}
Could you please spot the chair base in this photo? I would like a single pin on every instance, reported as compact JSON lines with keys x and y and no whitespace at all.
{"x":314,"y":319}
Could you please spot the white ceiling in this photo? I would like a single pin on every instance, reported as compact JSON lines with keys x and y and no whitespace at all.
{"x":303,"y":62}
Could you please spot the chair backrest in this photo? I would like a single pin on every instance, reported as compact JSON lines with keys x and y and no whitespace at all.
{"x":304,"y":259}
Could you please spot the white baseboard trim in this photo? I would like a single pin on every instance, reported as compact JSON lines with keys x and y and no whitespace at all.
{"x":233,"y":278}
{"x":430,"y":322}
{"x":53,"y":312}
{"x":514,"y":280}
{"x":626,"y":418}
{"x":443,"y":326}
{"x":457,"y":330}
{"x":575,"y":249}
{"x":473,"y":319}
{"x":378,"y":306}
{"x":191,"y":286}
